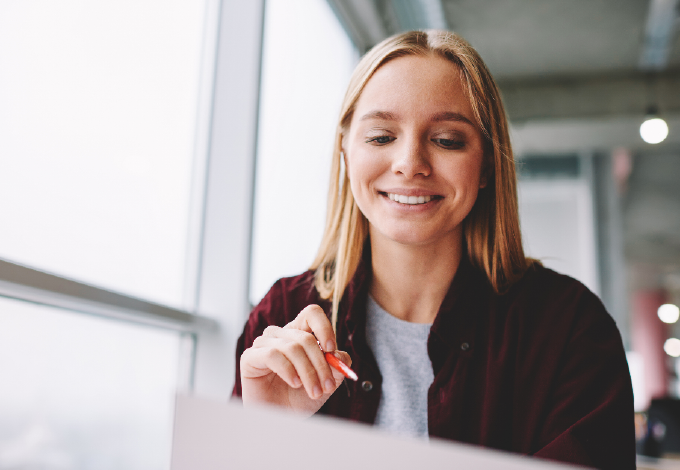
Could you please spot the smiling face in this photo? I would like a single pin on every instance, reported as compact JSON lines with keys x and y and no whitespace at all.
{"x":414,"y":153}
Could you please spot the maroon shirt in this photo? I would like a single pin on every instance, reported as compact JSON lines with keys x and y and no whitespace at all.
{"x":540,"y":370}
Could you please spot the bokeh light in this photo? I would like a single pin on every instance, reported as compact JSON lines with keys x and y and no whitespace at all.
{"x":672,"y":347}
{"x":669,"y":313}
{"x":654,"y":130}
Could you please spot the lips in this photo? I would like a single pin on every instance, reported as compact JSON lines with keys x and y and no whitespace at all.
{"x":410,"y":200}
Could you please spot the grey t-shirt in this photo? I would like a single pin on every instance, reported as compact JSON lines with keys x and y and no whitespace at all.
{"x":400,"y":348}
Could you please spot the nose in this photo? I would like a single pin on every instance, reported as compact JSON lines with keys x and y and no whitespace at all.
{"x":411,"y":159}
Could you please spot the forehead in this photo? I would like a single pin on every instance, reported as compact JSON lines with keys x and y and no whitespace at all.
{"x":415,"y":85}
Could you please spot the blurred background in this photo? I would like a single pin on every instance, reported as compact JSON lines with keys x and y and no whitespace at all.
{"x":162,"y":163}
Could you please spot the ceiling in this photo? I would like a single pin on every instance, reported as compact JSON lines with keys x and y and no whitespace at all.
{"x":576,"y":76}
{"x":537,"y":38}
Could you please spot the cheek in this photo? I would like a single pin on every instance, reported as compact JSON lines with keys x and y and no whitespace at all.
{"x":362,"y":171}
{"x":466,"y":176}
{"x":352,"y":175}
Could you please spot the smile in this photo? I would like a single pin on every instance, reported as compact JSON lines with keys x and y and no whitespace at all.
{"x":411,"y":200}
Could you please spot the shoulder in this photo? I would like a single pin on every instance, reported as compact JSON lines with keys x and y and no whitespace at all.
{"x":581,"y":393}
{"x":543,"y":285}
{"x":300,"y":285}
{"x":559,"y":303}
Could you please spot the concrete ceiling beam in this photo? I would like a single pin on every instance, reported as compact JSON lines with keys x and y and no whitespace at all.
{"x":591,"y":97}
{"x":368,"y":22}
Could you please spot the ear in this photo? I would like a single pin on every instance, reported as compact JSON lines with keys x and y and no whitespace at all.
{"x":482,"y":181}
{"x":343,"y":155}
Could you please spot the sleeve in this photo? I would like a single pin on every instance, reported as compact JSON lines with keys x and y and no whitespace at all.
{"x":286,"y":298}
{"x":270,"y":311}
{"x":590,"y":414}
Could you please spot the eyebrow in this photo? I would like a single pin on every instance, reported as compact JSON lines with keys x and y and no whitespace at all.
{"x":449,"y":116}
{"x":438,"y":117}
{"x":383,"y":115}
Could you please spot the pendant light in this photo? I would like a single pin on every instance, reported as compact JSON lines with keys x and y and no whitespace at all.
{"x":654,"y":129}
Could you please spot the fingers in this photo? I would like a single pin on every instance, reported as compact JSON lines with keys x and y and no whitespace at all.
{"x":344,"y":357}
{"x":294,"y":354}
{"x":257,"y":362}
{"x":313,"y":319}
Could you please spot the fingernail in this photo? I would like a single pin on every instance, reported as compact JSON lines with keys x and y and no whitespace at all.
{"x":330,"y":385}
{"x":297,"y":382}
{"x":317,"y":391}
{"x":330,"y":346}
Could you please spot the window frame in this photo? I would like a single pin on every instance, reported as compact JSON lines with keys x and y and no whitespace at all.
{"x":218,"y":252}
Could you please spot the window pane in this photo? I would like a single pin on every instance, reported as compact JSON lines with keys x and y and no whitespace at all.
{"x":307,"y":61}
{"x":98,"y":123}
{"x":80,"y":392}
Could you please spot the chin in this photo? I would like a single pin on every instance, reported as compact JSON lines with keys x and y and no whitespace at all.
{"x":409,"y":237}
{"x":415,"y":235}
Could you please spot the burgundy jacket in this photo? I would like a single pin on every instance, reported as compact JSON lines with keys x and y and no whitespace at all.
{"x":540,"y":370}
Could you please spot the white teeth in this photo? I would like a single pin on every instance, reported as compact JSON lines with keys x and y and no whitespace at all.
{"x":411,"y":200}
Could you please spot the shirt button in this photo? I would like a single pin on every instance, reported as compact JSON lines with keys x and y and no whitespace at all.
{"x":367,"y":386}
{"x":465,"y":346}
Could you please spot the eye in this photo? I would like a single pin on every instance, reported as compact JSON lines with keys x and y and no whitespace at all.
{"x":449,"y":143}
{"x":380,"y":140}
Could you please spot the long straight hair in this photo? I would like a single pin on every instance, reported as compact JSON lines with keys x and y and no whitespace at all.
{"x":491,"y":229}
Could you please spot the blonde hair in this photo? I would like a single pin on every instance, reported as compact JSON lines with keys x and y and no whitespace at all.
{"x":491,"y":229}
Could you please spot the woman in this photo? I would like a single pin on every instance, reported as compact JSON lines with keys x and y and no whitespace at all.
{"x":421,"y":283}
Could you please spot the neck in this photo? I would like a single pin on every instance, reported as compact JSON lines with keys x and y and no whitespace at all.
{"x":410,"y":282}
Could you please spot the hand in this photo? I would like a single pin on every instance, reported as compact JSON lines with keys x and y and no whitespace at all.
{"x":286,"y":367}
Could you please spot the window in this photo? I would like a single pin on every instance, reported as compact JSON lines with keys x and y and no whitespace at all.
{"x":104,"y":118}
{"x":98,"y":118}
{"x":126,"y":171}
{"x":307,"y":62}
{"x":82,"y":392}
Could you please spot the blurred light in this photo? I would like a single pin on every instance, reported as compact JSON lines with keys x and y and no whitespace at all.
{"x":654,"y":130}
{"x":669,"y":313}
{"x":672,"y":347}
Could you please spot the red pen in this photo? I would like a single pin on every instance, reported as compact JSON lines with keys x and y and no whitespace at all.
{"x":338,"y":365}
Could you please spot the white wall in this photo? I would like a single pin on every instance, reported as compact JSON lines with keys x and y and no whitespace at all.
{"x":558,"y":227}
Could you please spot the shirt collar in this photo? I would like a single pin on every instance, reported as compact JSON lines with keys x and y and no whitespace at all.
{"x":467,"y":294}
{"x":353,"y":306}
{"x":463,"y":303}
